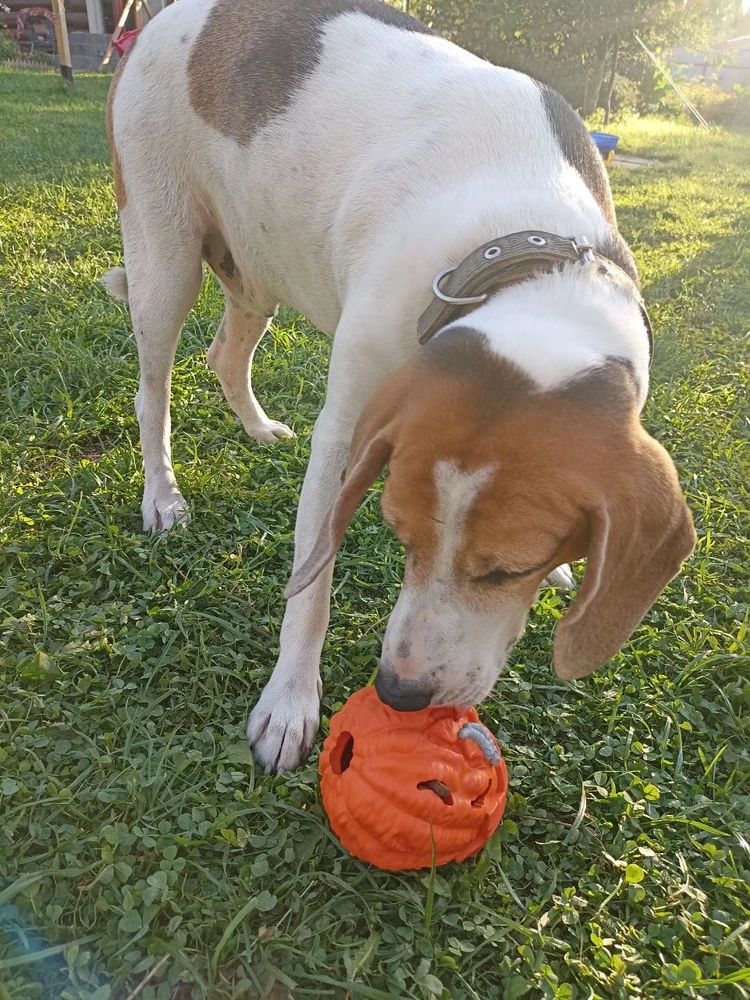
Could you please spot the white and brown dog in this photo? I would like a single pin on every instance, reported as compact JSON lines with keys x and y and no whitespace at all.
{"x":336,"y":156}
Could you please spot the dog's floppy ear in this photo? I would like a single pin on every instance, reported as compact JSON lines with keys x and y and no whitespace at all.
{"x":370,"y":450}
{"x":367,"y":466}
{"x":639,"y":537}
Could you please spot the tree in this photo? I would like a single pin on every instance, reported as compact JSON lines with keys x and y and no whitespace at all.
{"x":571,"y":43}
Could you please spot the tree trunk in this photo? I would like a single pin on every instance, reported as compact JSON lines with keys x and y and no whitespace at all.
{"x":611,"y":84}
{"x":595,"y":80}
{"x":585,"y":98}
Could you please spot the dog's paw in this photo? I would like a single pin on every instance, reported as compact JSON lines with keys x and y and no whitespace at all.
{"x":269,"y":431}
{"x":282,"y":726}
{"x":162,"y":511}
{"x":562,"y":578}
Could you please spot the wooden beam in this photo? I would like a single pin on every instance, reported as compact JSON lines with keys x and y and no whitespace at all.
{"x":116,"y":34}
{"x":94,"y":14}
{"x":61,"y":35}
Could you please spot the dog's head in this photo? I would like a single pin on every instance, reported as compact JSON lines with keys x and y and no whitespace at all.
{"x":492,"y":485}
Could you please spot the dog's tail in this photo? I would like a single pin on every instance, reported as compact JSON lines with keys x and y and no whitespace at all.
{"x":116,"y":283}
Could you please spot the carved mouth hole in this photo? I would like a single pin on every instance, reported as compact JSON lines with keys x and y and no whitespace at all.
{"x":442,"y":791}
{"x":478,"y":802}
{"x":342,"y":754}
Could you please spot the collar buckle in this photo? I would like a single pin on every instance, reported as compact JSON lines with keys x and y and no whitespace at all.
{"x":584,"y":249}
{"x":467,"y":300}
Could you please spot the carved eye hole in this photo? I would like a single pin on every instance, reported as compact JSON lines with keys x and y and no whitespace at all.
{"x":342,"y":754}
{"x":442,"y":791}
{"x":478,"y":802}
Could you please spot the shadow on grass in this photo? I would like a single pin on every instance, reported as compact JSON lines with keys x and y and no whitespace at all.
{"x":710,"y":292}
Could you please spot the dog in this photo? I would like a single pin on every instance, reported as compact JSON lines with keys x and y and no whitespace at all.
{"x":339,"y":157}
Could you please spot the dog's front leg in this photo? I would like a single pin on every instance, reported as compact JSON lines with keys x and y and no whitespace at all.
{"x":283,"y":724}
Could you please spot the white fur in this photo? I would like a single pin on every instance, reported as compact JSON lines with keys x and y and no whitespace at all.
{"x":116,"y":283}
{"x":398,"y":156}
{"x":435,"y":632}
{"x":456,"y":492}
{"x":563,"y":324}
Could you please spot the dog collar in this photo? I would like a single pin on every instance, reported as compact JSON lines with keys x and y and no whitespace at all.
{"x":509,"y":260}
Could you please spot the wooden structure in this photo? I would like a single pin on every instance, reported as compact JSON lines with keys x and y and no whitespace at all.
{"x":76,"y":16}
{"x":138,"y":7}
{"x":91,"y":24}
{"x":61,"y":36}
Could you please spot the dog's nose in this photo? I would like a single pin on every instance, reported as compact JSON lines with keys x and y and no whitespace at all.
{"x":403,"y":695}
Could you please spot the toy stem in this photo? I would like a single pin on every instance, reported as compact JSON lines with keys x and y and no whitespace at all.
{"x":483,"y":738}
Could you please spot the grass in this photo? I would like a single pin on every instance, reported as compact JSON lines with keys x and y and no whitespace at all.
{"x":137,"y":840}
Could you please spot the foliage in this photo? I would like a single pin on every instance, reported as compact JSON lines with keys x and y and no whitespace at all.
{"x":135,"y":834}
{"x":9,"y":47}
{"x":626,"y":95}
{"x":720,"y":107}
{"x":571,"y":43}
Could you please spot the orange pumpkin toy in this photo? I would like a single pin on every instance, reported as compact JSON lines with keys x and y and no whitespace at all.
{"x":392,"y":781}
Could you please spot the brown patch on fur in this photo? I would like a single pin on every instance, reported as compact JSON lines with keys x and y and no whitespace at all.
{"x":251,"y":57}
{"x":227,"y":264}
{"x":464,"y":353}
{"x":219,"y":258}
{"x":121,"y":195}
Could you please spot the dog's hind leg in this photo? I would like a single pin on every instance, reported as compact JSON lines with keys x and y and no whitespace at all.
{"x":561,"y":578}
{"x":162,"y":280}
{"x":231,"y":357}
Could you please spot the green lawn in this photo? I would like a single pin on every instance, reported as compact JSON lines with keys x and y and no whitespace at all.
{"x":135,"y":834}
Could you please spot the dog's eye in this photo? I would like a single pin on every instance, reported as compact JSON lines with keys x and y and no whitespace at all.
{"x":500,"y":575}
{"x":496,"y":576}
{"x":504,"y":575}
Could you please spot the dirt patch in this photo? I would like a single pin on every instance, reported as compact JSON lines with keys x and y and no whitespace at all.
{"x":632,"y":162}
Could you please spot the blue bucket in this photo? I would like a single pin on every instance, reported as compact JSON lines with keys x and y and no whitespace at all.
{"x":606,"y":143}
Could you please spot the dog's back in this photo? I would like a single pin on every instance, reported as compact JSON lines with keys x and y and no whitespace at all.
{"x":298,"y":130}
